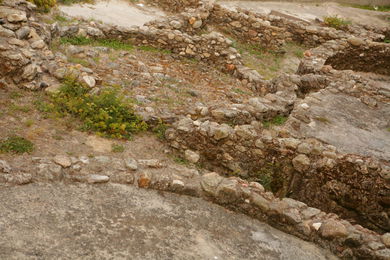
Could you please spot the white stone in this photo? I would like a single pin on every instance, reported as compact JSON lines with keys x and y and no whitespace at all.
{"x":89,"y":80}
{"x":131,"y":164}
{"x":192,"y":156}
{"x":317,"y":225}
{"x":94,"y":178}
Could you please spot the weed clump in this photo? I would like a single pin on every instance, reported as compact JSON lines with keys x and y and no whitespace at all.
{"x":336,"y":22}
{"x":16,"y":144}
{"x":110,"y":43}
{"x":44,"y":4}
{"x":277,"y":120}
{"x":117,"y":148}
{"x":106,"y":113}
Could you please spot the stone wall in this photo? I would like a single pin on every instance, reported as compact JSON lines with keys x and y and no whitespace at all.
{"x":23,"y":45}
{"x":351,"y":53}
{"x":360,"y":56}
{"x":247,"y":28}
{"x":176,"y":5}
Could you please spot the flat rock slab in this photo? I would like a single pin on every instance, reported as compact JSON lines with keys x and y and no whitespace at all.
{"x":115,"y":12}
{"x":112,"y":221}
{"x":348,"y":124}
{"x":311,"y":11}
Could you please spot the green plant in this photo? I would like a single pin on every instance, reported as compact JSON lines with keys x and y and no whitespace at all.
{"x":117,"y":148}
{"x":336,"y":22}
{"x":29,"y":122}
{"x":44,"y":4}
{"x":15,"y":95}
{"x":386,"y":40}
{"x":106,"y":113}
{"x":181,"y":161}
{"x":322,"y":119}
{"x":16,"y":144}
{"x":160,"y":129}
{"x":110,"y":43}
{"x":277,"y":120}
{"x":380,"y":8}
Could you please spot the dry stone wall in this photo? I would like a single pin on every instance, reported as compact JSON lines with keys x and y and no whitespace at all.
{"x":23,"y":46}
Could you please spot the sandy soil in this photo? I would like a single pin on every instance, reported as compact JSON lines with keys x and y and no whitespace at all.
{"x":118,"y":12}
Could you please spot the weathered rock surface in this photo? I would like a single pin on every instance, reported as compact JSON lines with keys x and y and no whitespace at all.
{"x":125,"y":222}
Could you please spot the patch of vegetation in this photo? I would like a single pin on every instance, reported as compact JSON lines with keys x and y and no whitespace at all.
{"x":16,"y":144}
{"x":266,"y":62}
{"x":15,"y":95}
{"x":29,"y":122}
{"x":60,"y":18}
{"x":380,"y":8}
{"x":181,"y":161}
{"x":109,"y":43}
{"x":160,"y":129}
{"x":322,"y":119}
{"x":76,"y":60}
{"x":106,"y":113}
{"x":277,"y":120}
{"x":240,"y":91}
{"x":45,"y":5}
{"x":19,"y":108}
{"x":117,"y":148}
{"x":336,"y":22}
{"x":386,"y":40}
{"x":269,"y":175}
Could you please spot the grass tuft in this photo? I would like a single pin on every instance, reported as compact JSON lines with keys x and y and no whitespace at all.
{"x":336,"y":22}
{"x":16,"y":144}
{"x":277,"y":120}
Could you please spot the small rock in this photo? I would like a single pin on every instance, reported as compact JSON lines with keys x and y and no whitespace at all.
{"x":4,"y":167}
{"x":222,"y":131}
{"x":89,"y":80}
{"x":62,"y":160}
{"x":40,"y":44}
{"x":301,"y":163}
{"x":94,"y":178}
{"x":152,"y":163}
{"x":355,"y":41}
{"x":6,"y":33}
{"x":17,"y":17}
{"x":260,"y":201}
{"x":144,"y":180}
{"x":228,"y":191}
{"x":175,"y":24}
{"x":197,"y":24}
{"x":310,"y":212}
{"x":177,"y":185}
{"x":386,"y":239}
{"x":131,"y":164}
{"x":333,"y":229}
{"x":317,"y":225}
{"x":305,"y":148}
{"x":192,"y":156}
{"x":210,"y":182}
{"x":102,"y":159}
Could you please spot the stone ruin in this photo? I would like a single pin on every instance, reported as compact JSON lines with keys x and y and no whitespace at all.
{"x":330,"y":161}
